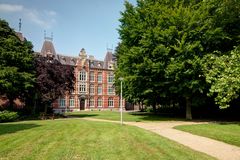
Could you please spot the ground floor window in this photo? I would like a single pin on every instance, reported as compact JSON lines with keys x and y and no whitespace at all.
{"x":71,"y":102}
{"x":110,"y":102}
{"x":99,"y":102}
{"x":62,"y":102}
{"x":91,"y":102}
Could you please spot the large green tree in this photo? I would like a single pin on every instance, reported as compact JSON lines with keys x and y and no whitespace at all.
{"x":163,"y":44}
{"x":16,"y":64}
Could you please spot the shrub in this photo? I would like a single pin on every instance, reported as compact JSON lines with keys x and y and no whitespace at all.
{"x":7,"y":116}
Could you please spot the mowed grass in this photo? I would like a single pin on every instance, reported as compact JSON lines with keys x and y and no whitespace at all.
{"x":127,"y":116}
{"x":226,"y":132}
{"x":78,"y":139}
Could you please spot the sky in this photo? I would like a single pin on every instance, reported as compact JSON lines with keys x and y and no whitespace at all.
{"x":75,"y":24}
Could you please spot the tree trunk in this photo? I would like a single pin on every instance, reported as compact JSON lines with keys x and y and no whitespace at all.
{"x":35,"y":104}
{"x":45,"y":108}
{"x":11,"y":103}
{"x":154,"y":108}
{"x":188,"y":109}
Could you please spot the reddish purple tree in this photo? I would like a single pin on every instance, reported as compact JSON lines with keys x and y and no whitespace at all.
{"x":52,"y":79}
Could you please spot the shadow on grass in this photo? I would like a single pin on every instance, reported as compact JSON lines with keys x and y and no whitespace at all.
{"x":146,"y":116}
{"x":81,"y":115}
{"x":7,"y":128}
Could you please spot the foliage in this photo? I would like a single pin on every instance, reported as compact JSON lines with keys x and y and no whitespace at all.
{"x":226,"y":132}
{"x":53,"y":79}
{"x":223,"y":73}
{"x":7,"y":116}
{"x":76,"y":139}
{"x":163,"y":45}
{"x":16,"y":64}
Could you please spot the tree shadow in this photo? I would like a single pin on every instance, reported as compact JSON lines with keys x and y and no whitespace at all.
{"x":7,"y":128}
{"x":81,"y":115}
{"x":146,"y":116}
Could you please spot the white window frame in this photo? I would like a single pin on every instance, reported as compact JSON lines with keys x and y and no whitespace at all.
{"x":110,"y":86}
{"x":62,"y":102}
{"x":82,"y":76}
{"x":91,"y":76}
{"x":99,"y":87}
{"x":110,"y":102}
{"x":92,"y":89}
{"x":99,"y":100}
{"x":82,"y":88}
{"x":91,"y":100}
{"x":110,"y":78}
{"x":71,"y":102}
{"x":98,"y":77}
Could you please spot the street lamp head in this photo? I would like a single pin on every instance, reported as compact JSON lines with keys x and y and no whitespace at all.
{"x":121,"y":78}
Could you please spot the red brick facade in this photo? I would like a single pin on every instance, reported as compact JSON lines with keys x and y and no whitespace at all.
{"x":93,"y":89}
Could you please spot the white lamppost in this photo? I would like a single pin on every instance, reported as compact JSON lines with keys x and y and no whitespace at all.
{"x":121,"y":105}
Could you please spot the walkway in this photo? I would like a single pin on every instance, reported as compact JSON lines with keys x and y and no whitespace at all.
{"x":220,"y":150}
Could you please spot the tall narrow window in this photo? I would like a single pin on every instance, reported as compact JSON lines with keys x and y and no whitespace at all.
{"x":110,"y":90}
{"x":71,"y":102}
{"x":91,"y":89}
{"x":110,"y":102}
{"x":110,"y":78}
{"x":82,"y":76}
{"x":99,"y":90}
{"x":91,"y":76}
{"x":99,"y":102}
{"x":62,"y":102}
{"x":91,"y":102}
{"x":99,"y":77}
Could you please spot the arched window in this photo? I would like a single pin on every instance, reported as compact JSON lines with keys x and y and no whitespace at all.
{"x":110,"y":102}
{"x":99,"y":102}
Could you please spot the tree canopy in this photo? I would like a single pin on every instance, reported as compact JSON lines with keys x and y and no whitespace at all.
{"x":16,"y":64}
{"x":164,"y":44}
{"x":53,"y":79}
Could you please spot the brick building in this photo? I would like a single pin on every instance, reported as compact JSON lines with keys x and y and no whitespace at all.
{"x":94,"y":89}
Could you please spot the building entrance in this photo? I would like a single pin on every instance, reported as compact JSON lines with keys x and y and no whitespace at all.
{"x":82,"y":104}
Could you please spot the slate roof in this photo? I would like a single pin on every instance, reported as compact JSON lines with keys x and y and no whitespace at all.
{"x":48,"y":48}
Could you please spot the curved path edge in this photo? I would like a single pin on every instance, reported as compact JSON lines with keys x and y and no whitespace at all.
{"x":214,"y":148}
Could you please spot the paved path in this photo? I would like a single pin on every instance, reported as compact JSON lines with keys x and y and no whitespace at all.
{"x":220,"y":150}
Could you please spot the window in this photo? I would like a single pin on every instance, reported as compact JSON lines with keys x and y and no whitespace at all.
{"x":91,"y":88}
{"x":99,"y":77}
{"x":99,"y":89}
{"x":71,"y":102}
{"x":82,"y":88}
{"x":110,"y":89}
{"x":99,"y":102}
{"x":91,"y":76}
{"x":82,"y":76}
{"x":110,"y":102}
{"x":110,"y":78}
{"x":62,"y":102}
{"x":91,"y":102}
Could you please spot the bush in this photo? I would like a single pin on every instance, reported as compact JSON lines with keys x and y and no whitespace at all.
{"x":7,"y":116}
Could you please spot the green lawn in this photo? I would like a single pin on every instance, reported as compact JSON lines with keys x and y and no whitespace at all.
{"x":79,"y":139}
{"x":226,"y":132}
{"x":127,"y":116}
